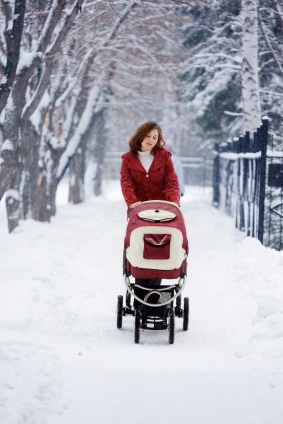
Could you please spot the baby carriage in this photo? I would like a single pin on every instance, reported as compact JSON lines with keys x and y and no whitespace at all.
{"x":155,"y":248}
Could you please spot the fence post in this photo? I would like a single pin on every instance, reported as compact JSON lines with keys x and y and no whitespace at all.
{"x":216,"y":176}
{"x":263,"y":148}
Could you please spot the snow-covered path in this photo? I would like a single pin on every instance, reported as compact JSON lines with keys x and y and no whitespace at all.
{"x":63,"y":361}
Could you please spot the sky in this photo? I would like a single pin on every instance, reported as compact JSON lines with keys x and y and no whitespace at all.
{"x":63,"y":360}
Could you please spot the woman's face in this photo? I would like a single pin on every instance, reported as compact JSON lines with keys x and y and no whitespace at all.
{"x":150,"y":140}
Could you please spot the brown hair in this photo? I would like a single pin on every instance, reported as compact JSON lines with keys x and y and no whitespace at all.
{"x":140,"y":134}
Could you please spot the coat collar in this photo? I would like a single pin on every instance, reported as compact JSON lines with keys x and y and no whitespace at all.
{"x":159,"y":159}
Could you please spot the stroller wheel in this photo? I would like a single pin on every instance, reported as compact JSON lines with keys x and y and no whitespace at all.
{"x":128,"y":299}
{"x":119,"y":311}
{"x":178,"y":309}
{"x":137,"y":325}
{"x":186,"y":314}
{"x":171,"y":326}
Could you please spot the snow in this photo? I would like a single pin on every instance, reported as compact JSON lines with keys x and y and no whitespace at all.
{"x":63,"y":361}
{"x":26,"y":59}
{"x":7,"y":145}
{"x":235,"y":156}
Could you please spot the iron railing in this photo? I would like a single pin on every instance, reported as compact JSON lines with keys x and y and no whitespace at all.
{"x":248,"y":184}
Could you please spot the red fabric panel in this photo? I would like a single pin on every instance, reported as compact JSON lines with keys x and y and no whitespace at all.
{"x":156,"y":246}
{"x":155,"y":273}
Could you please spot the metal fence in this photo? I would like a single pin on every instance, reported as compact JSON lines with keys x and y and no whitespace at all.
{"x":248,"y":182}
{"x":197,"y":170}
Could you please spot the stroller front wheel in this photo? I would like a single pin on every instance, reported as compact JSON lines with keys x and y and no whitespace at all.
{"x":171,"y":326}
{"x":119,"y":311}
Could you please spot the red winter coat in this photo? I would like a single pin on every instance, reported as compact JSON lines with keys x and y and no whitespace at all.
{"x":159,"y":183}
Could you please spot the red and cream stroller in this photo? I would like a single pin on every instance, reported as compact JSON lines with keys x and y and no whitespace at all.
{"x":156,"y":247}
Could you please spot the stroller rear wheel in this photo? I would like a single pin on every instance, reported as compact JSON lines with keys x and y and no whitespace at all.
{"x":186,"y":314}
{"x":137,"y":325}
{"x":119,"y":311}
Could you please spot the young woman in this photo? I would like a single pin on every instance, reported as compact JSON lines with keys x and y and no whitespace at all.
{"x":147,"y":173}
{"x":147,"y":170}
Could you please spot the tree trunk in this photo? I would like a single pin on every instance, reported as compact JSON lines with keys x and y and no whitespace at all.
{"x":13,"y":36}
{"x":76,"y":176}
{"x":250,"y":79}
{"x":10,"y":167}
{"x":45,"y":206}
{"x":13,"y":204}
{"x":30,"y":170}
{"x":99,"y":149}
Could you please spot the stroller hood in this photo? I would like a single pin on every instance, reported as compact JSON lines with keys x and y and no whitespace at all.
{"x":156,"y":244}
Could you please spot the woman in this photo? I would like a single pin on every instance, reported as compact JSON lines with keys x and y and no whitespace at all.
{"x":147,"y":170}
{"x":147,"y":173}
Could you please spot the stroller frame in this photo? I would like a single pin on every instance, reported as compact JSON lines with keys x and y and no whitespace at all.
{"x":154,"y":316}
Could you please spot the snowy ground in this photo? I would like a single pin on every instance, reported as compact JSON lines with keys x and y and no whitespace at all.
{"x":63,"y":361}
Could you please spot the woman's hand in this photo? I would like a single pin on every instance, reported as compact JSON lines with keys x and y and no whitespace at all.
{"x":133,"y":205}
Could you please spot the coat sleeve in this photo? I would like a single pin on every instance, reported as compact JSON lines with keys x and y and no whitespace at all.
{"x":127,"y":186}
{"x":171,"y":184}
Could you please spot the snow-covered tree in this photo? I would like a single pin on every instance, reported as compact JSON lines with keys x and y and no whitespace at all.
{"x":46,"y":25}
{"x":250,"y":66}
{"x":271,"y":61}
{"x":89,"y":72}
{"x":11,"y":37}
{"x":134,"y":70}
{"x":233,"y":73}
{"x":212,"y":70}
